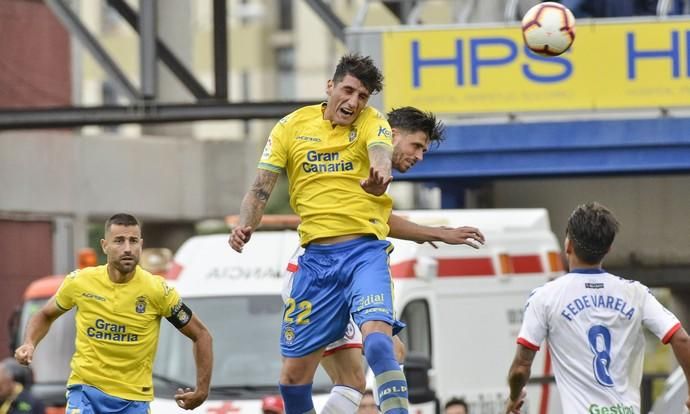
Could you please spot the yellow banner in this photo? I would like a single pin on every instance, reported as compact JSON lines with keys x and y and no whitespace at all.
{"x":611,"y":65}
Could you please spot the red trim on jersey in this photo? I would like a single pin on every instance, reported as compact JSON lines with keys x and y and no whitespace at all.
{"x":338,"y":348}
{"x":526,"y":264}
{"x":292,"y":267}
{"x":527,"y":344}
{"x":669,"y":334}
{"x":545,"y":387}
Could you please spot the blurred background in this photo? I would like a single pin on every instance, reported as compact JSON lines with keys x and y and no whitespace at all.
{"x":161,"y":108}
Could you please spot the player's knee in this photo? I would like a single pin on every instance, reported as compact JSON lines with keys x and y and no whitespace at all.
{"x":377,"y":347}
{"x":400,"y":350}
{"x":294,"y":375}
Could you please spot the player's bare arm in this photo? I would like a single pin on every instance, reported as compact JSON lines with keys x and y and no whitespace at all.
{"x":680,"y":343}
{"x":203,"y":356}
{"x":401,"y":228}
{"x":36,"y":329}
{"x":518,"y":375}
{"x":380,"y":170}
{"x":252,"y":208}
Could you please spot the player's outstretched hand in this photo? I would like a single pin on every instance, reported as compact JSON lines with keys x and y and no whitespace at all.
{"x":513,"y":407}
{"x":375,"y":184}
{"x":470,"y":236}
{"x":24,"y":354}
{"x":189,"y":399}
{"x":239,"y":237}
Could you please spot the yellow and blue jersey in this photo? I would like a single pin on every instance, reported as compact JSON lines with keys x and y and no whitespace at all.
{"x":324,"y":165}
{"x":117,"y":329}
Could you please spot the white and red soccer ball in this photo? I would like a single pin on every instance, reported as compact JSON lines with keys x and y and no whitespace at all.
{"x":548,"y":29}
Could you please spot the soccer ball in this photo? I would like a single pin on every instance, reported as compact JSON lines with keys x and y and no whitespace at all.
{"x":548,"y":29}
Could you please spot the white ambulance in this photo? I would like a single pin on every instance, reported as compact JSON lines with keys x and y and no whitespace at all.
{"x":463,"y":308}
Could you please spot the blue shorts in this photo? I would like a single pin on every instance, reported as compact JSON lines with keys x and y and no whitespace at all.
{"x":333,"y":282}
{"x":85,"y":399}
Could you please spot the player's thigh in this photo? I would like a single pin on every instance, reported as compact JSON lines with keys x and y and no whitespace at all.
{"x":316,"y":311}
{"x":371,"y":287}
{"x":77,"y":402}
{"x":345,"y":367}
{"x":85,"y":399}
{"x":289,"y":273}
{"x":351,"y":339}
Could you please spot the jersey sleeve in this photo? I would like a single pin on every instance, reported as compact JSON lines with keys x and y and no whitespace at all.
{"x":173,"y":309}
{"x":378,"y":131}
{"x":534,"y":326}
{"x":657,"y":318}
{"x":64,"y":297}
{"x":169,"y":298}
{"x":274,"y":156}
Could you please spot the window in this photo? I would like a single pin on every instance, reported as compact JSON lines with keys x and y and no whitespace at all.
{"x":246,"y":347}
{"x":109,"y":96}
{"x":417,"y":335}
{"x":285,"y":67}
{"x":285,"y":15}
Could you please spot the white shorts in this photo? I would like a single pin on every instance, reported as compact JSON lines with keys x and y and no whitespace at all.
{"x":352,"y":337}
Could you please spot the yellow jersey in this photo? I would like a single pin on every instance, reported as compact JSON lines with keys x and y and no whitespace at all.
{"x":117,"y":329}
{"x":324,"y":165}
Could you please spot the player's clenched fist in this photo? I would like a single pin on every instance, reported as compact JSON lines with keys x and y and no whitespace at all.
{"x":239,"y":237}
{"x":189,"y":399}
{"x":24,"y":354}
{"x":513,"y":406}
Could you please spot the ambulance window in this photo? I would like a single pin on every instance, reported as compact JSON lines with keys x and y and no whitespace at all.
{"x":417,"y":335}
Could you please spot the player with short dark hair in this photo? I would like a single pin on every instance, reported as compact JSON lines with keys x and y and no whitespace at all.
{"x":118,"y":311}
{"x":414,"y":131}
{"x":338,"y":160}
{"x":592,"y":321}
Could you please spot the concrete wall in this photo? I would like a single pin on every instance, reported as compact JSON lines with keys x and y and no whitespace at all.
{"x":653,"y":212}
{"x":152,"y":177}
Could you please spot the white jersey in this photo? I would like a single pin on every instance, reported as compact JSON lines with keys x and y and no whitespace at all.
{"x":352,"y":338}
{"x":592,"y":321}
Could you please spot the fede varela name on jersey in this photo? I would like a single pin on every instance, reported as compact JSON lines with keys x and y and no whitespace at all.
{"x":597,"y":301}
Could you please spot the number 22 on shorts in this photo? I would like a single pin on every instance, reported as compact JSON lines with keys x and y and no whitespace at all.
{"x":303,"y":314}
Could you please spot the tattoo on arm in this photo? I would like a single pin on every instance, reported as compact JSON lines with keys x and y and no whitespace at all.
{"x":520,"y":370}
{"x":380,"y":158}
{"x":256,"y":198}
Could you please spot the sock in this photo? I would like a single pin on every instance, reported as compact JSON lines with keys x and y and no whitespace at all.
{"x":342,"y":400}
{"x":376,"y":394}
{"x":390,"y":380}
{"x":297,"y":399}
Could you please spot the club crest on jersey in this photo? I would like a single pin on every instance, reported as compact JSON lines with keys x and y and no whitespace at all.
{"x":140,"y":306}
{"x":353,"y":134}
{"x":288,"y":335}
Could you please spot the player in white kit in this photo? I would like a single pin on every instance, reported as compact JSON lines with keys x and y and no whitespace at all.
{"x":592,"y":321}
